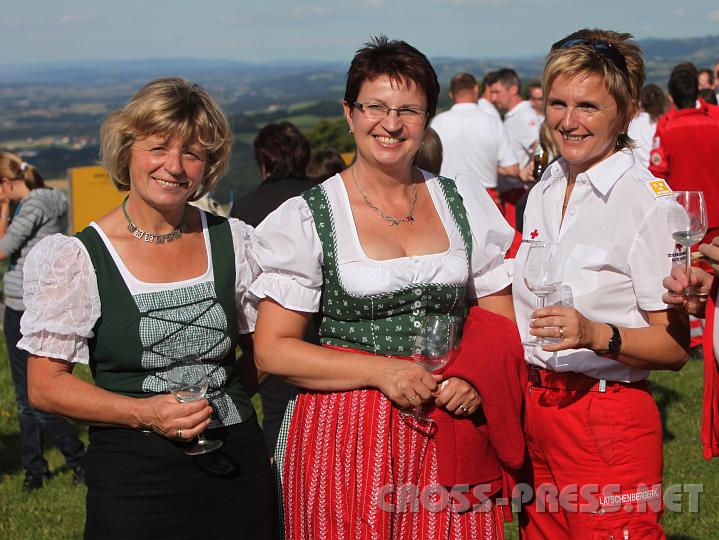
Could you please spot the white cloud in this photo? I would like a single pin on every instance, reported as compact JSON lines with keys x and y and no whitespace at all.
{"x":310,"y":10}
{"x":72,"y":19}
{"x":679,"y":12}
{"x":12,"y":24}
{"x":374,"y":3}
{"x":714,"y":15}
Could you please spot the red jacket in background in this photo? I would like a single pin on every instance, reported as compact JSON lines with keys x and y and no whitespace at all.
{"x":686,"y":154}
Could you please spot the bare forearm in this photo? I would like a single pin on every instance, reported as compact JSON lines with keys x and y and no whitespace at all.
{"x":66,"y":395}
{"x":316,"y":368}
{"x":511,"y":170}
{"x":651,"y":348}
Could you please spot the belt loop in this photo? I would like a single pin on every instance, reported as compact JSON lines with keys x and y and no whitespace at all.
{"x":602,"y":385}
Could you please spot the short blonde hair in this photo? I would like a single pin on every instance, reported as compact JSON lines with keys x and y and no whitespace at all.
{"x":13,"y":167}
{"x":612,"y":56}
{"x":167,"y":107}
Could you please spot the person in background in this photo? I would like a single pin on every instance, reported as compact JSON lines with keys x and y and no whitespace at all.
{"x":39,"y":211}
{"x":148,"y":283}
{"x":591,"y":423}
{"x":686,"y":144}
{"x":653,"y":103}
{"x":705,"y":306}
{"x":708,"y":95}
{"x":282,"y":154}
{"x":485,"y":100}
{"x":522,"y":126}
{"x":474,"y":142}
{"x":705,"y":79}
{"x":534,"y":95}
{"x":430,"y":155}
{"x":324,"y":164}
{"x":373,"y":250}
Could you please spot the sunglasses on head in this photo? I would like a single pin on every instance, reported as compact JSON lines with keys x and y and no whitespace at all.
{"x":602,"y":48}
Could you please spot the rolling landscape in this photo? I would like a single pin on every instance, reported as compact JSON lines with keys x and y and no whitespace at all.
{"x":51,"y":112}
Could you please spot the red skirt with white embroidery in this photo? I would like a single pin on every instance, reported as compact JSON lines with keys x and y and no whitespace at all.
{"x":354,"y":469}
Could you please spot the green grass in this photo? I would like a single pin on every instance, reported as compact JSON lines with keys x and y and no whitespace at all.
{"x":58,"y":510}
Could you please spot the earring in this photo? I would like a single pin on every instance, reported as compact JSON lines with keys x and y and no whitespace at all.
{"x":349,"y":131}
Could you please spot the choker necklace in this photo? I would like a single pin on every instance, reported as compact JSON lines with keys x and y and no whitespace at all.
{"x":137,"y":232}
{"x":409,"y":218}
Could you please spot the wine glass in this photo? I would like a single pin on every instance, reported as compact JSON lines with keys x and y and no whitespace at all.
{"x":187,"y":380}
{"x":542,"y":277}
{"x":433,"y":347}
{"x":688,"y":223}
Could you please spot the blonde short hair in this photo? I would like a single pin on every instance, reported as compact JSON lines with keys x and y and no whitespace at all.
{"x":13,"y":167}
{"x":612,"y":56}
{"x":167,"y":108}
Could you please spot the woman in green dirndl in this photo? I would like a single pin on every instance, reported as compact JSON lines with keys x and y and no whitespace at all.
{"x":373,"y":250}
{"x":151,"y":282}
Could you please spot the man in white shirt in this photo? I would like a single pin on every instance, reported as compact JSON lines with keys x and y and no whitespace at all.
{"x":473,"y":142}
{"x":485,"y":104}
{"x":522,"y":126}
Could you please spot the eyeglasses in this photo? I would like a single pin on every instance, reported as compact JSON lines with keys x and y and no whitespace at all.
{"x":378,"y":111}
{"x":602,"y":48}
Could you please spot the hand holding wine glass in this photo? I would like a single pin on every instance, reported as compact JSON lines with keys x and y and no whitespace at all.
{"x":433,"y":348}
{"x":187,"y":380}
{"x":688,"y":223}
{"x":542,"y":277}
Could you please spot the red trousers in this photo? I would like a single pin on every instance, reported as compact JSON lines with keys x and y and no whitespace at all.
{"x":595,"y":458}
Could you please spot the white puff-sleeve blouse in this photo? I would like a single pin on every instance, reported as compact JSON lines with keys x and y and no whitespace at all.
{"x":63,"y":303}
{"x":289,"y":251}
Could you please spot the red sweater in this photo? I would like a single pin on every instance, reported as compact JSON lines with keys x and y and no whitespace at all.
{"x":710,"y":405}
{"x":486,"y":447}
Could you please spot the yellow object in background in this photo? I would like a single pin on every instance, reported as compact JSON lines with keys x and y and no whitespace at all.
{"x":92,"y":195}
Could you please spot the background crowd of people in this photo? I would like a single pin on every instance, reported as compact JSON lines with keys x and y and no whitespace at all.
{"x":323,"y":276}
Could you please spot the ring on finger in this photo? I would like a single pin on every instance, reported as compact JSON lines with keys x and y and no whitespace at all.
{"x":412,"y":398}
{"x":561,"y":332}
{"x":464,"y":409}
{"x":178,"y":433}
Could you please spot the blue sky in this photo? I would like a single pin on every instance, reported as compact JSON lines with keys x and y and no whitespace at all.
{"x":56,"y":30}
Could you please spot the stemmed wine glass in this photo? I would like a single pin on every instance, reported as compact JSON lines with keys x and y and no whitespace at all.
{"x":433,"y":347}
{"x":187,"y":380}
{"x":542,"y":277}
{"x":688,"y":223}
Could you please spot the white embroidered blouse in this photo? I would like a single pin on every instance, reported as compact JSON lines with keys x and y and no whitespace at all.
{"x":62,"y":300}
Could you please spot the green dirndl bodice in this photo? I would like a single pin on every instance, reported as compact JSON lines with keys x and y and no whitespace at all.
{"x":383,"y":323}
{"x":136,"y":335}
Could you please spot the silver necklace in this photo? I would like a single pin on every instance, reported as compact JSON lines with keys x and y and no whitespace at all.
{"x":409,"y":218}
{"x":138,"y":233}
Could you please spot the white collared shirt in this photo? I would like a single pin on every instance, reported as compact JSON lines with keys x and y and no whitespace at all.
{"x":522,"y":127}
{"x":473,"y":142}
{"x":616,"y":246}
{"x":488,"y":107}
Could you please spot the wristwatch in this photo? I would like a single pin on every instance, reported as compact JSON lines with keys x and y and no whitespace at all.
{"x":615,"y":342}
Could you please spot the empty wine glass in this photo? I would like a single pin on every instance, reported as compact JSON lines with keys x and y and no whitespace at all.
{"x":187,"y":380}
{"x":433,"y":347}
{"x":542,"y":277}
{"x":688,"y":223}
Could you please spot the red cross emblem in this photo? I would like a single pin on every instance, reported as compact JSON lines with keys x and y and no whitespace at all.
{"x":534,"y":234}
{"x":678,"y":247}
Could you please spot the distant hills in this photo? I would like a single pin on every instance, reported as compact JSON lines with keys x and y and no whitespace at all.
{"x":52,"y":111}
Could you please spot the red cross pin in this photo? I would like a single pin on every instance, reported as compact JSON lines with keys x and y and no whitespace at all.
{"x":534,"y":234}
